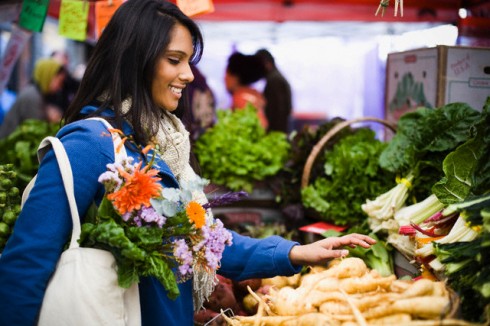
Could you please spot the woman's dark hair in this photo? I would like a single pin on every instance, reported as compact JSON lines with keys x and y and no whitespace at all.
{"x":248,"y":68}
{"x":123,"y":62}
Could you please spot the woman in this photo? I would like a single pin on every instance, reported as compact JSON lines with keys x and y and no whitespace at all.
{"x":241,"y":72}
{"x":34,"y":101}
{"x":135,"y":79}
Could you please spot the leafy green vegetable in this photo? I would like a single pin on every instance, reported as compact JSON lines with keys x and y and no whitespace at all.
{"x":351,"y":174}
{"x":377,"y":257}
{"x":20,"y":148}
{"x":466,"y":264}
{"x":134,"y":248}
{"x":286,"y":184}
{"x":236,"y":152}
{"x":9,"y":202}
{"x":422,"y":141}
{"x":467,"y":168}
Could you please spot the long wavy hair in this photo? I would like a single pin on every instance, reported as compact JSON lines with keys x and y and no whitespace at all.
{"x":123,"y":61}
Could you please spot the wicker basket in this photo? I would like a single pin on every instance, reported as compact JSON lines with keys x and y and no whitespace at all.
{"x":319,"y":146}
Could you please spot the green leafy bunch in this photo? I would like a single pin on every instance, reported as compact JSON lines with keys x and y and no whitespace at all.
{"x":465,"y":187}
{"x":20,"y":148}
{"x":467,"y":264}
{"x":10,"y":199}
{"x":139,"y":251}
{"x":351,"y":174}
{"x":422,"y":141}
{"x":237,"y":151}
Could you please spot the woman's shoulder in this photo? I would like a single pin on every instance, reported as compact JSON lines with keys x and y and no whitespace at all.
{"x":86,"y":127}
{"x":89,"y":136}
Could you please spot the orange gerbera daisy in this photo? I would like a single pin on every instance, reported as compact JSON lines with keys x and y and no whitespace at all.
{"x":137,"y":190}
{"x":196,"y":213}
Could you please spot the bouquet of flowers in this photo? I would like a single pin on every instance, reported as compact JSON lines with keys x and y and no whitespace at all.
{"x":152,"y":230}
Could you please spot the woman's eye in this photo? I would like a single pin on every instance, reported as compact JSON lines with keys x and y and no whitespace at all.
{"x":174,"y":61}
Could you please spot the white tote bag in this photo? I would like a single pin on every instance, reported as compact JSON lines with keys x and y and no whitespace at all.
{"x":84,"y":290}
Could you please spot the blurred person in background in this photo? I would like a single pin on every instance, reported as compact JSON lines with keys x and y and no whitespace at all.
{"x":64,"y":96}
{"x":241,"y":72}
{"x":202,"y":103}
{"x":34,"y":101}
{"x":277,"y":93}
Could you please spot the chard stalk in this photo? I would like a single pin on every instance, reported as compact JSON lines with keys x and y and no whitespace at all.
{"x":385,"y":205}
{"x":419,"y":212}
{"x":460,"y":232}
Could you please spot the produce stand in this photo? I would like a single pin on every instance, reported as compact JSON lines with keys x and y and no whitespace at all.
{"x":319,"y":146}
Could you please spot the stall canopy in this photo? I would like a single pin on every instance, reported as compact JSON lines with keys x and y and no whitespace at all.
{"x":330,"y":10}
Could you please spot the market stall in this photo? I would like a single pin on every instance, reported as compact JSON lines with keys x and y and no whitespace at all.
{"x":417,"y":179}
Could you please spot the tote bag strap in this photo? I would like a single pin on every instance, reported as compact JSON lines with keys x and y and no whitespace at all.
{"x":67,"y":176}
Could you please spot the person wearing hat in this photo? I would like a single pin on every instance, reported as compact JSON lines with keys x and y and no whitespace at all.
{"x":33,"y":101}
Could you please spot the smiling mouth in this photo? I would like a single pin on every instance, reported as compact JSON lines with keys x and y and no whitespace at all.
{"x":176,"y":91}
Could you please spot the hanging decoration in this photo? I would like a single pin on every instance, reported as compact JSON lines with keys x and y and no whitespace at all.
{"x":73,"y":19}
{"x":383,"y":4}
{"x":104,"y":10}
{"x":18,"y":39}
{"x":33,"y":14}
{"x":195,"y":7}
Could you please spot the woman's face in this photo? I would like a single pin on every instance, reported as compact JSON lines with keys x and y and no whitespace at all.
{"x":172,"y":70}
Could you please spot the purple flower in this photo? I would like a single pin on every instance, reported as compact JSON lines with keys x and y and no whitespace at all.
{"x":149,"y":215}
{"x":224,"y":199}
{"x":183,"y":255}
{"x":110,"y":180}
{"x":216,"y":237}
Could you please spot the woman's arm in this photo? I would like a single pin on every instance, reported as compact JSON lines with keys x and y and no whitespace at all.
{"x":44,"y":225}
{"x":272,"y":256}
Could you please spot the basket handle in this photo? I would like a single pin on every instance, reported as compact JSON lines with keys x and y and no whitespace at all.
{"x":318,"y":147}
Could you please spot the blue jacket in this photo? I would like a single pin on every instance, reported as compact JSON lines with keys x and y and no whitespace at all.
{"x":44,"y":227}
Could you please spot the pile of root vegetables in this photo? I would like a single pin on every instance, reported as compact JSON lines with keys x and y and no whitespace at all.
{"x":348,"y":293}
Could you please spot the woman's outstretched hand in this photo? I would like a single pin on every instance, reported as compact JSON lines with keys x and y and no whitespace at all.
{"x":320,"y":252}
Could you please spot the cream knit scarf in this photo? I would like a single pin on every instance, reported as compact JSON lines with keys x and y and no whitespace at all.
{"x":174,"y":148}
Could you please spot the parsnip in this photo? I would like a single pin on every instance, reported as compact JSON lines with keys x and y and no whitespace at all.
{"x":366,"y":283}
{"x":290,"y":302}
{"x":310,"y":319}
{"x":418,"y":288}
{"x":327,"y":284}
{"x":399,"y":286}
{"x":349,"y":267}
{"x":277,"y":281}
{"x":424,"y":307}
{"x":390,"y":320}
{"x":335,"y":308}
{"x":316,"y":298}
{"x":357,"y":314}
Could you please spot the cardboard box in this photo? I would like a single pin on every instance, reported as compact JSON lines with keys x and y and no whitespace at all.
{"x":433,"y":77}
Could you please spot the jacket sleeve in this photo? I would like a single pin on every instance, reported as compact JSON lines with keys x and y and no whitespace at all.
{"x":44,"y":225}
{"x":257,"y":258}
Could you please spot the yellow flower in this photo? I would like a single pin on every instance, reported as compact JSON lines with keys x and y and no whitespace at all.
{"x":196,"y":213}
{"x":137,"y":190}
